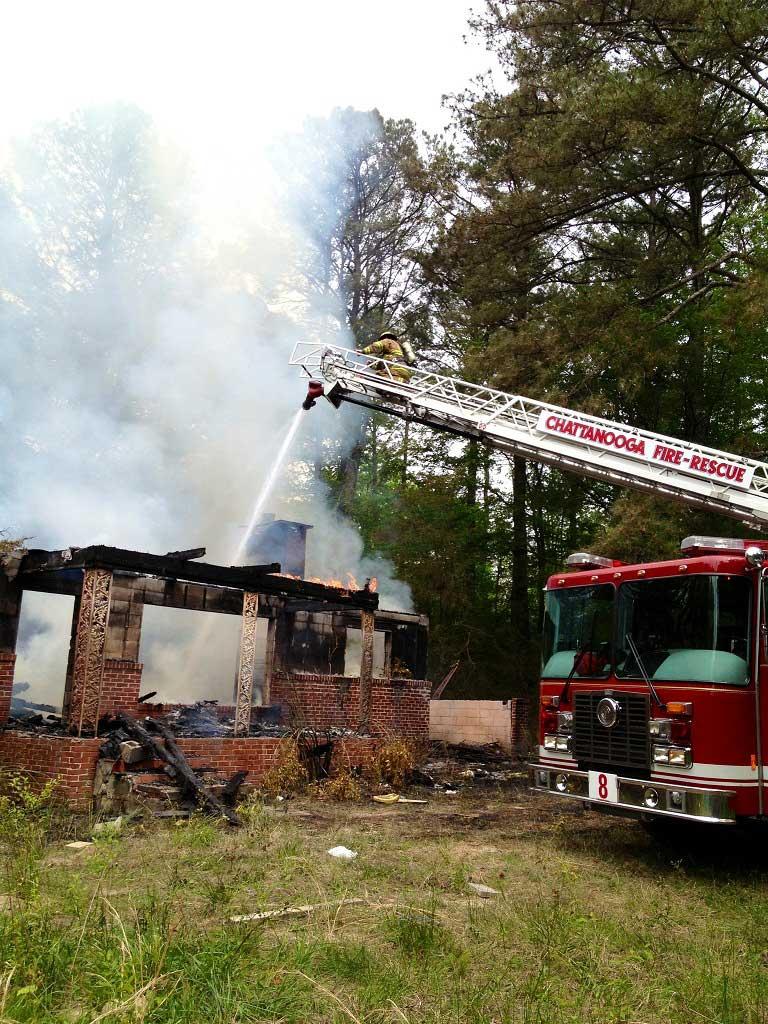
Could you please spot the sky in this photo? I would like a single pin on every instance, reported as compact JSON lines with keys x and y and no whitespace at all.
{"x":225,"y":80}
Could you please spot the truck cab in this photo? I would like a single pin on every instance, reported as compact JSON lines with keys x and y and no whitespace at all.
{"x":651,"y":684}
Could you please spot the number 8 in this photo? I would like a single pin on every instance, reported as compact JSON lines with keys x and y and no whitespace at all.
{"x":602,"y":787}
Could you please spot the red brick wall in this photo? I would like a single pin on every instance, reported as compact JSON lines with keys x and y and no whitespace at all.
{"x":257,"y":754}
{"x":120,"y":686}
{"x":398,"y":706}
{"x":7,"y":663}
{"x":70,"y":760}
{"x":518,"y":713}
{"x":318,"y":701}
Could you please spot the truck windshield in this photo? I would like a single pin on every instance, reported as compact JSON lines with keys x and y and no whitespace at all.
{"x":578,"y":623}
{"x":691,"y":629}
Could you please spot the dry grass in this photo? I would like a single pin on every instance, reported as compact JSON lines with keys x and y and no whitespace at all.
{"x":595,"y":922}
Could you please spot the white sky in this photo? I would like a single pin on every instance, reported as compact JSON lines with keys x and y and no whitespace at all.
{"x":224,"y":79}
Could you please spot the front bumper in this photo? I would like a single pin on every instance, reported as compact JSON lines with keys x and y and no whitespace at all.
{"x":704,"y":805}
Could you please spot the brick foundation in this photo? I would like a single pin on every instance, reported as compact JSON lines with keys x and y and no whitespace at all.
{"x":7,"y":665}
{"x":72,"y":761}
{"x":398,"y":706}
{"x":68,"y":759}
{"x":120,"y":687}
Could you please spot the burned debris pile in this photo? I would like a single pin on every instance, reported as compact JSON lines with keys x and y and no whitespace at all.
{"x":155,"y":741}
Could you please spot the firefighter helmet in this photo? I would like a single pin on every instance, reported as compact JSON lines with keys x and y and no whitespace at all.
{"x":388,"y":336}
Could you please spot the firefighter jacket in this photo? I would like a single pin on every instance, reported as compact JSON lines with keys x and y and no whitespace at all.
{"x":390,"y":350}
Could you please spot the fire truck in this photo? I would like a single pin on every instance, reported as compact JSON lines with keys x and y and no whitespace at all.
{"x":654,"y":681}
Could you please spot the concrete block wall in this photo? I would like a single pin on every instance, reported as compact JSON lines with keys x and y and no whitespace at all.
{"x":480,"y":721}
{"x":7,"y":666}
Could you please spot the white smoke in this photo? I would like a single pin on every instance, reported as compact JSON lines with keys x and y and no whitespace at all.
{"x":144,"y":396}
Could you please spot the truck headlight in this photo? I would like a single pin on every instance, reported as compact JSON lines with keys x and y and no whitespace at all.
{"x":680,"y":756}
{"x":659,"y":729}
{"x":563,"y":743}
{"x":565,"y":722}
{"x":550,"y":741}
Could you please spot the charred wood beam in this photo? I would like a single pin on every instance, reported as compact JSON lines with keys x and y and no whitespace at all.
{"x":68,"y":584}
{"x":170,"y":752}
{"x":101,"y":556}
{"x":230,"y":791}
{"x":258,"y":578}
{"x":185,"y":556}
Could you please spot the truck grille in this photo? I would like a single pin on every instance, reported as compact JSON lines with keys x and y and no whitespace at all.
{"x":627,"y":744}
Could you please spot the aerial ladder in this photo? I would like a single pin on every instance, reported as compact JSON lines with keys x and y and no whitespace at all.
{"x":576,"y":442}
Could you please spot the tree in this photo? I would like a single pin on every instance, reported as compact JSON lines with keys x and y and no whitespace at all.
{"x":603,"y":247}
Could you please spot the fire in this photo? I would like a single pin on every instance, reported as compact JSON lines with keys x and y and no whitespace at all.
{"x":350,"y":583}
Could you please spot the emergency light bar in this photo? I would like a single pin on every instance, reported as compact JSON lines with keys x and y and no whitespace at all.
{"x":585,"y":560}
{"x":699,"y":545}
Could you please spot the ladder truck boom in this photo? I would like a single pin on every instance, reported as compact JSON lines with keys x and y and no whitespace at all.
{"x":573,"y":441}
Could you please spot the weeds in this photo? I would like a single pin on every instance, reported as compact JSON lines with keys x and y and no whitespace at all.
{"x":418,"y":932}
{"x":26,"y":815}
{"x":580,"y":936}
{"x":392,"y":763}
{"x":342,"y":785}
{"x":289,"y":775}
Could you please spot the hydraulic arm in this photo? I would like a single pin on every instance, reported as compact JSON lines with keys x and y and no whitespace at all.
{"x":573,"y":441}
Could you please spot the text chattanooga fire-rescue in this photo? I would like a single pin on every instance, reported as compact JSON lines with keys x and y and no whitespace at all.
{"x":649,"y":449}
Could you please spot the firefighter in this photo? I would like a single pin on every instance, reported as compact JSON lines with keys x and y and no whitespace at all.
{"x":398,"y":355}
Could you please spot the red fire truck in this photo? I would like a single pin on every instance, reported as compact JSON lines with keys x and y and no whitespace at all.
{"x":653,"y":674}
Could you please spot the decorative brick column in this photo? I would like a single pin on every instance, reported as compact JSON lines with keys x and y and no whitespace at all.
{"x":7,"y":665}
{"x":88,"y":664}
{"x":367,"y":627}
{"x":269,"y":661}
{"x":247,"y":660}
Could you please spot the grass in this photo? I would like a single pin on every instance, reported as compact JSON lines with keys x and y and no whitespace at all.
{"x":595,"y":923}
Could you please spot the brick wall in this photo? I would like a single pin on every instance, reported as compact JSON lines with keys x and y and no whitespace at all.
{"x":7,"y":664}
{"x":519,"y":726}
{"x":257,"y":754}
{"x":120,"y":686}
{"x":398,"y":706}
{"x":70,"y":760}
{"x":481,"y":721}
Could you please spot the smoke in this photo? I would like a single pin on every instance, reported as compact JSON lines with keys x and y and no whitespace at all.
{"x":145,"y":386}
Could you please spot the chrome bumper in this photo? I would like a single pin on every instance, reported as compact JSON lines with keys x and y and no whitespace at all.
{"x":705,"y":805}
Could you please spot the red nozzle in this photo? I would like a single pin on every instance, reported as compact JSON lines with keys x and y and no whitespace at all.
{"x":314,"y":391}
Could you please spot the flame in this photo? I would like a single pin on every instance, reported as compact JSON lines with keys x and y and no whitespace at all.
{"x":350,"y":584}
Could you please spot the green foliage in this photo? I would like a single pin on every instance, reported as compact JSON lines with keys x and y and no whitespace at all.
{"x":604,"y":248}
{"x":418,"y":932}
{"x":27,"y":813}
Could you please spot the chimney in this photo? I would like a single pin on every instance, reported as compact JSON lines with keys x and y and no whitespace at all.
{"x":279,"y":540}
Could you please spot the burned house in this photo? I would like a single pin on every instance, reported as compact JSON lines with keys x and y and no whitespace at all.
{"x":298,"y":680}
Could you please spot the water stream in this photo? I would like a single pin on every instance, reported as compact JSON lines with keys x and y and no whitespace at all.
{"x":267,"y":487}
{"x":204,"y":637}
